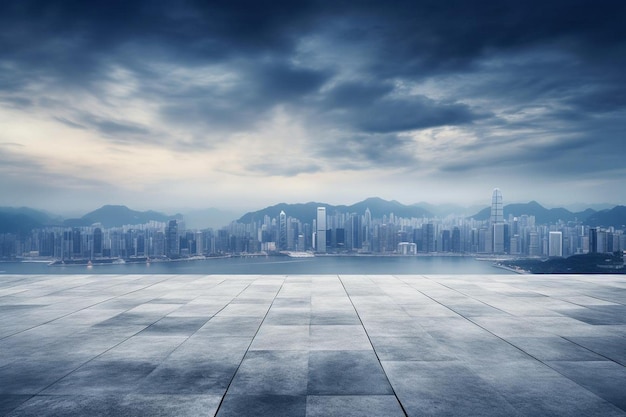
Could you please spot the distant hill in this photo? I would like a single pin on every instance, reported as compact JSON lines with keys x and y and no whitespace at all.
{"x":542,"y":214}
{"x":615,"y":217}
{"x":17,"y":223}
{"x":37,"y":216}
{"x":24,"y":219}
{"x":306,"y":212}
{"x":116,"y":216}
{"x":205,"y":218}
{"x":444,"y":210}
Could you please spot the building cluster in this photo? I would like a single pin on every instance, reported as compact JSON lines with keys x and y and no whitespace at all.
{"x":336,"y":232}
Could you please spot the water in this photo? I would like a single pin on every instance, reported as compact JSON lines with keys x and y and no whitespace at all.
{"x":277,"y":266}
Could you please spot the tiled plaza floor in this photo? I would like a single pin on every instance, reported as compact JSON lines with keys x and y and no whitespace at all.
{"x":319,"y":345}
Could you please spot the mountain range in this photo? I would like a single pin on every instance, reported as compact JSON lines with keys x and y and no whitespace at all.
{"x":542,"y":214}
{"x":308,"y":211}
{"x":24,"y":219}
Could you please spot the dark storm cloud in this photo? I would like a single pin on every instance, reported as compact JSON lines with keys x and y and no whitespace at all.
{"x":398,"y":115}
{"x":239,"y":105}
{"x":364,"y":151}
{"x":534,"y":68}
{"x":451,"y":35}
{"x":370,"y":107}
{"x":559,"y":157}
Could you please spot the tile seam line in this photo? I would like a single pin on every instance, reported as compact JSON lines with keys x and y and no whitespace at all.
{"x":372,"y":345}
{"x":219,"y":406}
{"x":198,"y":329}
{"x":85,"y":308}
{"x":487,"y":304}
{"x":107,"y":350}
{"x":523,"y":351}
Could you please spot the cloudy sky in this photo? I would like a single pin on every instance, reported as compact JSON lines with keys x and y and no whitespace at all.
{"x":243,"y":104}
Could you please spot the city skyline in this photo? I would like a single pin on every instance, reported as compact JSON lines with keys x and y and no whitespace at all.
{"x":241,"y":105}
{"x":340,"y":231}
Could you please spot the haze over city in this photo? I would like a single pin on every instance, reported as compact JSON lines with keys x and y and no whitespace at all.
{"x":239,"y":105}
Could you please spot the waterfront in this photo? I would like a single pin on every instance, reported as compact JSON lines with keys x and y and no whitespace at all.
{"x":273,"y":265}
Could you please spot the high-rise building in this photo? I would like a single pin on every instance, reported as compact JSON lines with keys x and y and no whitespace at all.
{"x":282,"y":231}
{"x":97,"y":242}
{"x":367,"y":229}
{"x":555,"y":244}
{"x":456,"y":240}
{"x":497,"y":209}
{"x":199,"y":243}
{"x":499,"y":237}
{"x":171,"y":239}
{"x":428,"y":238}
{"x":497,"y":222}
{"x":446,"y":241}
{"x":593,"y":240}
{"x":320,"y":233}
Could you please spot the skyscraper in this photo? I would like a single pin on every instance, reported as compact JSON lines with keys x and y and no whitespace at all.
{"x":593,"y":240}
{"x":497,"y":221}
{"x":555,"y":244}
{"x":282,"y":231}
{"x":497,"y":210}
{"x":320,"y":234}
{"x":171,"y":239}
{"x":97,"y":243}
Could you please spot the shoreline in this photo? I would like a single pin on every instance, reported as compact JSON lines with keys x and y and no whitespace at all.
{"x":516,"y":270}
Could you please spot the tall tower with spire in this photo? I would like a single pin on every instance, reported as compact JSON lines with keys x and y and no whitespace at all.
{"x":320,"y":232}
{"x":497,"y":209}
{"x":282,"y":231}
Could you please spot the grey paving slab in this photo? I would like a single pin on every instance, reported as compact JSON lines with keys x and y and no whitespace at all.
{"x":535,"y":389}
{"x":129,"y":405}
{"x":346,"y":373}
{"x":288,"y":316}
{"x":610,"y":347}
{"x":606,"y":379}
{"x":281,"y":337}
{"x":313,"y":345}
{"x":444,"y":388}
{"x":203,"y":347}
{"x":553,"y":348}
{"x":423,"y":348}
{"x":30,"y":377}
{"x":179,"y":326}
{"x":338,"y":337}
{"x":232,"y":326}
{"x":103,"y":377}
{"x":9,"y":402}
{"x":272,"y":372}
{"x":189,"y":376}
{"x":331,"y":317}
{"x":236,"y":405}
{"x":353,"y":406}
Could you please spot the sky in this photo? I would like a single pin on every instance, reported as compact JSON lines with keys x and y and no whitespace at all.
{"x":245,"y":104}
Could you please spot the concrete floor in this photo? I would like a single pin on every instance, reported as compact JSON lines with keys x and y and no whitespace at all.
{"x":176,"y":345}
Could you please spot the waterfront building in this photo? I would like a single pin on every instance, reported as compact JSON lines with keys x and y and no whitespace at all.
{"x":593,"y":240}
{"x":171,"y":239}
{"x":497,"y":209}
{"x":282,"y":231}
{"x":407,"y":248}
{"x":555,"y":244}
{"x":320,"y":233}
